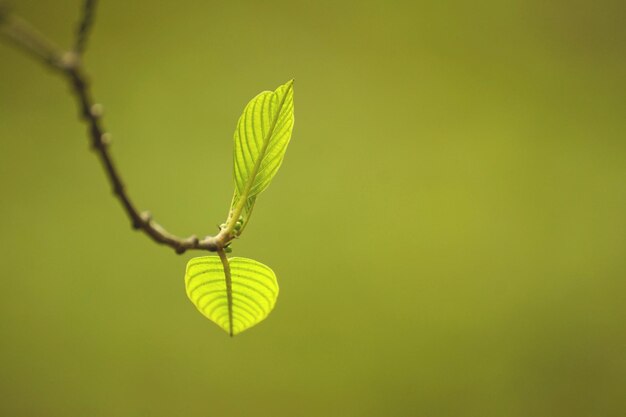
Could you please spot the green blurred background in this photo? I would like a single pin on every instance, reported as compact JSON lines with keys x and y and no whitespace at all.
{"x":448,"y":228}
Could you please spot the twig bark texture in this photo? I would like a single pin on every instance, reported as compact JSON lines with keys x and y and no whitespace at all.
{"x":69,"y":65}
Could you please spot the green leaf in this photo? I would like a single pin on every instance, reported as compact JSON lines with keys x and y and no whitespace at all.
{"x":254,"y":291}
{"x":261,"y":138}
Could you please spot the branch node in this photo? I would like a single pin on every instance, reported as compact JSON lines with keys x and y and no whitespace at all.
{"x":106,"y":139}
{"x":142,"y":220}
{"x":97,"y":110}
{"x":146,"y":217}
{"x":180,"y":250}
{"x":70,"y":61}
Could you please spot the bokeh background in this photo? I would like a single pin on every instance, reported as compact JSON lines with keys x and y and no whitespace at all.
{"x":448,"y":228}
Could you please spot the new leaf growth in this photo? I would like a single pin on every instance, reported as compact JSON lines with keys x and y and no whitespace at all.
{"x":238,"y":293}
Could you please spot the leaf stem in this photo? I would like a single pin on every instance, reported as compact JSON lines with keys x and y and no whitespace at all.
{"x":229,"y":288}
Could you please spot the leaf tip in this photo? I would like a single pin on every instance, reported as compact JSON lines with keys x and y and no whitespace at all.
{"x":288,"y":85}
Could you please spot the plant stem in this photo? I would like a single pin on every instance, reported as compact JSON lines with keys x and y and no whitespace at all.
{"x":84,"y":26}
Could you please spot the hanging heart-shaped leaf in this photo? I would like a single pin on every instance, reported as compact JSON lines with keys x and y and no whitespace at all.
{"x":253,"y":291}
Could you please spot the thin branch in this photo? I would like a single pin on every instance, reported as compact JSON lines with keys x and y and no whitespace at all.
{"x":68,"y":64}
{"x":85,"y":25}
{"x":27,"y":38}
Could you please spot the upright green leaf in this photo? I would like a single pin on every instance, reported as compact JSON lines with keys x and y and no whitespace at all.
{"x":254,"y":291}
{"x":261,"y":138}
